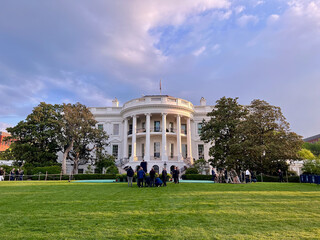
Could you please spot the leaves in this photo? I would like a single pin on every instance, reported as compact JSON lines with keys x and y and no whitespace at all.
{"x":257,"y":136}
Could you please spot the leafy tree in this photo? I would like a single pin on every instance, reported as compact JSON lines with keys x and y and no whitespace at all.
{"x":79,"y":135}
{"x":105,"y":161}
{"x":267,"y":141}
{"x":311,"y":167}
{"x":192,"y":170}
{"x":36,"y":138}
{"x":201,"y":165}
{"x":7,"y":155}
{"x":313,"y":147}
{"x":222,"y":132}
{"x":306,"y":154}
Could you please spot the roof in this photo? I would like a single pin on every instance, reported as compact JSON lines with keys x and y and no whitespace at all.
{"x":312,"y":138}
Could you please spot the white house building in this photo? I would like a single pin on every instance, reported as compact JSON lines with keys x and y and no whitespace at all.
{"x":158,"y":129}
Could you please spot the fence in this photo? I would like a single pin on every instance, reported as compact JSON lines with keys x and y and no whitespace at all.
{"x":310,"y":178}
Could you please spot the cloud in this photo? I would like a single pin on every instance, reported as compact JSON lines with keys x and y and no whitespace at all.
{"x":244,"y":20}
{"x":239,"y":9}
{"x":3,"y":126}
{"x":199,"y":51}
{"x":273,"y":18}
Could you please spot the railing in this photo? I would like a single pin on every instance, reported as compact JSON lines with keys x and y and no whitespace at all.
{"x":141,"y":130}
{"x":121,"y":162}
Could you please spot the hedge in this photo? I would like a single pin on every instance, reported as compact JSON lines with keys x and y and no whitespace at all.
{"x":267,"y":178}
{"x":49,"y":170}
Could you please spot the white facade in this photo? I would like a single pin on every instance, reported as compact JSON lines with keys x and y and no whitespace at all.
{"x":159,"y":129}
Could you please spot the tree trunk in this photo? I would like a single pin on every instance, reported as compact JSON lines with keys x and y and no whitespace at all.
{"x":65,"y":155}
{"x":75,"y":164}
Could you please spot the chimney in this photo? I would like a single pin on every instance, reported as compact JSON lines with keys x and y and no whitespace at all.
{"x":203,"y":102}
{"x":115,"y":102}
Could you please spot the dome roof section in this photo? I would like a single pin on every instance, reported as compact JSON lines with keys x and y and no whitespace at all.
{"x":157,"y":103}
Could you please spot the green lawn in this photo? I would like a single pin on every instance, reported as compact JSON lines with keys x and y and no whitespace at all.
{"x":62,"y":210}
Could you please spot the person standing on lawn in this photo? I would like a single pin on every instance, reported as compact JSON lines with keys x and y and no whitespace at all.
{"x":176,"y":175}
{"x":152,"y":175}
{"x":140,"y":176}
{"x":213,"y":175}
{"x":164,"y":175}
{"x":1,"y":174}
{"x":12,"y":172}
{"x":247,"y":176}
{"x":130,"y":174}
{"x":280,"y":174}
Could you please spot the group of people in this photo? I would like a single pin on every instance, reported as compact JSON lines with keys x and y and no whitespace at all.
{"x":14,"y":175}
{"x":225,"y":176}
{"x":153,"y":179}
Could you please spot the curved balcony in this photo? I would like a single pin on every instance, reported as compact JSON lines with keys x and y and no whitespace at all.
{"x":158,"y":100}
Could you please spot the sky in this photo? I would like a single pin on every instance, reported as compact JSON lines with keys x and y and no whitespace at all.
{"x":93,"y":51}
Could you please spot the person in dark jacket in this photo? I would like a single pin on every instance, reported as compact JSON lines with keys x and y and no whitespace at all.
{"x":17,"y":174}
{"x":158,"y":182}
{"x":140,"y":176}
{"x":130,"y":174}
{"x":213,"y":175}
{"x":12,"y":174}
{"x":176,"y":175}
{"x":152,"y":177}
{"x":164,"y":177}
{"x":280,"y":174}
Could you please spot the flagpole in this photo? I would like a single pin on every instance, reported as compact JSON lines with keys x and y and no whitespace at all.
{"x":160,"y":86}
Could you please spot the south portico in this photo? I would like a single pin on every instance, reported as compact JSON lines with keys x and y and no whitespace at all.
{"x":157,"y":138}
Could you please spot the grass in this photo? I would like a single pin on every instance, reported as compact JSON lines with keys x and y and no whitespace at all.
{"x":62,"y":210}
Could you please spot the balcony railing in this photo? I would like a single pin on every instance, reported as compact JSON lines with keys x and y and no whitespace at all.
{"x":157,"y":129}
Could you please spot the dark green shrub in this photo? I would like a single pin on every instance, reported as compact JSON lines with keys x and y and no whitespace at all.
{"x":49,"y":170}
{"x":192,"y":170}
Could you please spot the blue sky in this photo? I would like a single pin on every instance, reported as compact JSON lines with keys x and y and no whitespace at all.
{"x":93,"y":51}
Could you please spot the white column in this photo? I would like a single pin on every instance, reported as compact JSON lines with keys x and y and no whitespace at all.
{"x":164,"y":155}
{"x":147,"y":153}
{"x":134,"y":139}
{"x":189,"y":147}
{"x":179,"y":150}
{"x":125,"y":138}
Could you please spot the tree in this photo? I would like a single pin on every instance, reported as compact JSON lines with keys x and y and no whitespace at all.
{"x":35,"y":140}
{"x":313,"y":147}
{"x":105,"y":161}
{"x":7,"y":155}
{"x":306,"y":154}
{"x":222,"y":132}
{"x":311,"y":167}
{"x":201,"y":165}
{"x":267,"y":142}
{"x":79,"y":135}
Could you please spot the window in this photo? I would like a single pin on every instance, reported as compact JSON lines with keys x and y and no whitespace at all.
{"x":115,"y":150}
{"x":129,"y":150}
{"x":100,"y":126}
{"x":156,"y":149}
{"x":142,"y":150}
{"x":201,"y":151}
{"x":184,"y":150}
{"x":199,"y":128}
{"x":171,"y":127}
{"x":171,"y":150}
{"x":157,"y":126}
{"x":80,"y":171}
{"x":184,"y":128}
{"x":143,"y":126}
{"x":130,"y":129}
{"x":115,"y":129}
